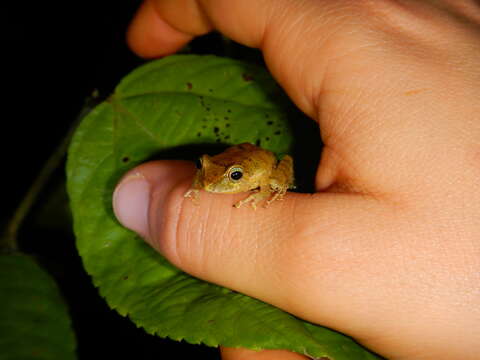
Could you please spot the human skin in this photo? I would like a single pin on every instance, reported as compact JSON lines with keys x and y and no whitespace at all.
{"x":387,"y":250}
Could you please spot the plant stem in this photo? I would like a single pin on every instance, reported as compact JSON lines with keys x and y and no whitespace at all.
{"x":8,"y":241}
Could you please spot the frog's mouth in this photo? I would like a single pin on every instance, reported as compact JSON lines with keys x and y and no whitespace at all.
{"x":224,"y":187}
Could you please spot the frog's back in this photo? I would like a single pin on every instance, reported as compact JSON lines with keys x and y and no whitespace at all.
{"x":252,"y":158}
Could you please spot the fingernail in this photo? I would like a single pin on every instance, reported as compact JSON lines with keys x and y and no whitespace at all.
{"x":131,"y":200}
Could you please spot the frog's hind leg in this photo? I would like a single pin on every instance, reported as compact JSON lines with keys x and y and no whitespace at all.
{"x":278,"y":195}
{"x":282,"y":175}
{"x":281,"y":179}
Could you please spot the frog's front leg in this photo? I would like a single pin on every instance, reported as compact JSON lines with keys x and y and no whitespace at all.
{"x":255,"y":198}
{"x":193,"y":194}
{"x":195,"y":188}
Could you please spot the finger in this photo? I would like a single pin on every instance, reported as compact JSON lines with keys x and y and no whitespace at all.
{"x":244,"y":354}
{"x":194,"y":21}
{"x":273,"y":26}
{"x":150,"y":36}
{"x":327,"y":258}
{"x":132,"y":197}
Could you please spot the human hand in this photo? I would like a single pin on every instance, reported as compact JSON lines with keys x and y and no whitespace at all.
{"x":387,"y":250}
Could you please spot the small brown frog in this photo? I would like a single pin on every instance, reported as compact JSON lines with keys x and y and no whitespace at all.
{"x":243,"y":168}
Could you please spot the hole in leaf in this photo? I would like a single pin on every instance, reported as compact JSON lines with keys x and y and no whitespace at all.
{"x":247,"y":77}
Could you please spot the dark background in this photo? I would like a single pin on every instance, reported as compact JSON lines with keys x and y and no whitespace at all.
{"x":57,"y":54}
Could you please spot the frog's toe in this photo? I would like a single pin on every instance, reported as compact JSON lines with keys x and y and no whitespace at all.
{"x":241,"y":202}
{"x":192,"y":194}
{"x":252,"y":199}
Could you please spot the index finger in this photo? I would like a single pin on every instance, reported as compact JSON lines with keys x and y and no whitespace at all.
{"x":161,"y":27}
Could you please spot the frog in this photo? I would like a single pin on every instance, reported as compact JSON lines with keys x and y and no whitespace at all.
{"x":242,"y":168}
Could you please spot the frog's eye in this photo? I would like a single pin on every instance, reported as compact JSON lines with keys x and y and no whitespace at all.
{"x":235,"y":173}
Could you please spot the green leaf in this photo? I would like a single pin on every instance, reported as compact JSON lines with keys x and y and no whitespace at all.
{"x":160,"y":110}
{"x":34,"y":320}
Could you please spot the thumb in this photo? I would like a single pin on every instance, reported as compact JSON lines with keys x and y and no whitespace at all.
{"x":207,"y":238}
{"x":296,"y":254}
